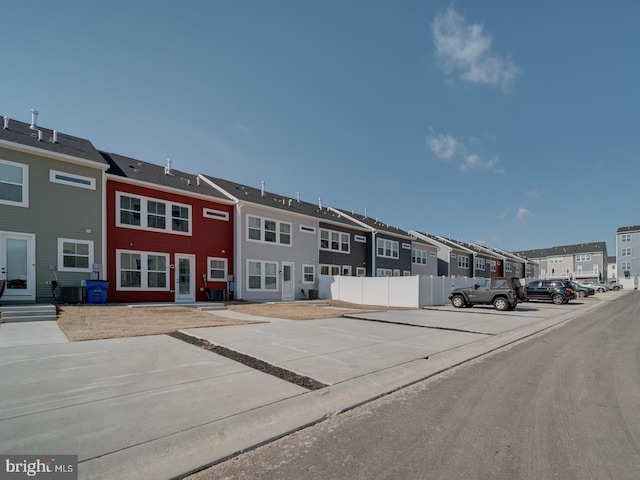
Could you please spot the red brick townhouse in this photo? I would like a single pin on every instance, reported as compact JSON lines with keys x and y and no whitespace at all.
{"x":169,"y":236}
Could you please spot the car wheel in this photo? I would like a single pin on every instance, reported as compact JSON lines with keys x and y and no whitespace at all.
{"x":458,"y":301}
{"x":601,"y":290}
{"x":558,"y":298}
{"x":500,"y":303}
{"x":616,"y":289}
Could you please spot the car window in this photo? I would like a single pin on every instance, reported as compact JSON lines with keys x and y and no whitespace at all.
{"x":482,"y":283}
{"x":546,"y":284}
{"x":501,"y":283}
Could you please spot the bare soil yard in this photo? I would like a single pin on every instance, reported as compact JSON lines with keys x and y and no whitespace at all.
{"x":92,"y":322}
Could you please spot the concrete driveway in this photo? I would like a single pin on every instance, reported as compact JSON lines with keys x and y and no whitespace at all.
{"x":156,"y":407}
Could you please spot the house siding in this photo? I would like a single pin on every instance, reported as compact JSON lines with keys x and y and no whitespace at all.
{"x":56,"y":211}
{"x":357,"y":256}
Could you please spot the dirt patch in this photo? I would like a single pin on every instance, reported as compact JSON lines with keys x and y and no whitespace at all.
{"x":93,"y":322}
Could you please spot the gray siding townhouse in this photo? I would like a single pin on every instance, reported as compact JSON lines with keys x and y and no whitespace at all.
{"x":513,"y":266}
{"x":389,"y":247}
{"x":484,"y":261}
{"x":282,"y":244}
{"x":51,"y":212}
{"x":628,"y":251}
{"x":453,"y":259}
{"x":612,"y":271}
{"x":580,"y":262}
{"x":424,"y":258}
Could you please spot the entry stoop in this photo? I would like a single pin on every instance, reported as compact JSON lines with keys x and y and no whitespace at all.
{"x":28,"y":313}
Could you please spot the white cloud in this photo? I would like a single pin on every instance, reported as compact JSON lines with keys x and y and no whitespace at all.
{"x":474,"y":161}
{"x":444,"y":146}
{"x":241,"y":128}
{"x":466,"y":49}
{"x":523,"y":213}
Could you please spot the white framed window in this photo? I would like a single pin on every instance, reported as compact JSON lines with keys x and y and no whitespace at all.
{"x":75,"y":255}
{"x":346,"y":270}
{"x":625,"y":265}
{"x":334,"y":241}
{"x":388,"y":248}
{"x":492,"y":266}
{"x":419,"y":257}
{"x":267,"y":230}
{"x":361,"y":272}
{"x":216,"y":269}
{"x":307,"y":229}
{"x":480,"y":263}
{"x":508,"y":267}
{"x":329,"y":269}
{"x":625,"y":252}
{"x":215,"y":214}
{"x":555,"y":260}
{"x":406,"y":246}
{"x":463,"y":261}
{"x":406,"y":273}
{"x":144,"y":213}
{"x":14,"y":184}
{"x":625,"y":238}
{"x":585,"y":257}
{"x":360,"y":238}
{"x":384,"y":272}
{"x":262,"y":275}
{"x":308,"y":273}
{"x":396,"y":272}
{"x":142,"y":270}
{"x":72,"y":180}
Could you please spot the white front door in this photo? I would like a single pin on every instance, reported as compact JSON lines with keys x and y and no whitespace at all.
{"x":288,"y":292}
{"x":185,"y":278}
{"x":18,"y":266}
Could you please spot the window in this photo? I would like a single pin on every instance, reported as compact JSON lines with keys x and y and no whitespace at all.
{"x":217,"y":270}
{"x":215,"y":214}
{"x":74,"y":255}
{"x":360,"y":238}
{"x":152,"y":214}
{"x":396,"y":272}
{"x":329,"y":269}
{"x":492,"y":265}
{"x":388,"y":248}
{"x":14,"y":184}
{"x":625,"y":238}
{"x":361,"y":272}
{"x":508,"y":267}
{"x":480,"y":263}
{"x":142,"y":270}
{"x":406,"y":246}
{"x":334,"y":241}
{"x":307,"y":229}
{"x":586,"y":257}
{"x":72,"y":180}
{"x":419,"y":257}
{"x":384,"y":272}
{"x":555,"y":260}
{"x":308,"y":273}
{"x":268,"y":231}
{"x":625,"y":266}
{"x":262,"y":275}
{"x":463,"y":261}
{"x":625,"y":252}
{"x":406,"y":273}
{"x":346,"y":270}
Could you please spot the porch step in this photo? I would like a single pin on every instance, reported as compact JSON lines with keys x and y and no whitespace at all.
{"x":28,"y":313}
{"x":211,"y":308}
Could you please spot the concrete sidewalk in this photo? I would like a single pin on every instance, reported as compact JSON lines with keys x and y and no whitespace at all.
{"x":156,"y":407}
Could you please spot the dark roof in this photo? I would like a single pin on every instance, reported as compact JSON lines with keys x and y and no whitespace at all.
{"x":375,"y":224}
{"x":634,"y":228}
{"x":245,"y":193}
{"x":22,"y":134}
{"x":155,"y":174}
{"x":611,"y":259}
{"x":443,"y":241}
{"x":564,"y":250}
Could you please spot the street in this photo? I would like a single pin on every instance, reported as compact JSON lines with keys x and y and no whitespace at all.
{"x":562,"y":404}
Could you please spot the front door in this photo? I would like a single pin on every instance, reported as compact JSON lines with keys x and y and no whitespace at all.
{"x":185,"y":277}
{"x":287,"y":281}
{"x":18,"y":266}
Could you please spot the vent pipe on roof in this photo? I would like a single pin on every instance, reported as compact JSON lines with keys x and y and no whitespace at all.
{"x":365,"y":213}
{"x":298,"y":196}
{"x":320,"y":202}
{"x":167,"y":169}
{"x":262,"y":189}
{"x":54,"y":139}
{"x":6,"y":123}
{"x":34,"y":119}
{"x":39,"y":135}
{"x":290,"y":202}
{"x":198,"y":180}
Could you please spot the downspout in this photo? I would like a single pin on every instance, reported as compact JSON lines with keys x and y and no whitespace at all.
{"x":238,"y":270}
{"x":374,"y":250}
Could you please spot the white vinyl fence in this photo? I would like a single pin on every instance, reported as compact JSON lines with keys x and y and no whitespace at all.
{"x":412,"y":292}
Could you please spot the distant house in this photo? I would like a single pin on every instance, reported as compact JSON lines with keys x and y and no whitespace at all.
{"x":612,"y":271}
{"x":51,"y":212}
{"x":628,"y":251}
{"x":454,"y":260}
{"x":283,"y":243}
{"x":169,"y":235}
{"x":580,"y":262}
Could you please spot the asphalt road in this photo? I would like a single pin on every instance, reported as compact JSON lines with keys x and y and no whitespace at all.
{"x":564,"y":404}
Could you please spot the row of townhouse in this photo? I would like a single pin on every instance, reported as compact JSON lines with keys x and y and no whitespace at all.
{"x":70,"y":213}
{"x":628,"y":252}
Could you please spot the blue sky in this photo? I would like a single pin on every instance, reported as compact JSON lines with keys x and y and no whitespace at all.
{"x":514,"y":124}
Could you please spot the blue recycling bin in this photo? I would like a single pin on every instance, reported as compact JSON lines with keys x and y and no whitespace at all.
{"x":97,"y":291}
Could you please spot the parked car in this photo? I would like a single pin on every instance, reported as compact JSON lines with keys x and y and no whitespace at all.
{"x":503,"y":293}
{"x":581,"y":290}
{"x":557,"y":291}
{"x":613,"y":286}
{"x":598,"y":287}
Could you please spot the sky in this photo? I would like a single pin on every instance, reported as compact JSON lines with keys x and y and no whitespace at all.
{"x":512,"y":124}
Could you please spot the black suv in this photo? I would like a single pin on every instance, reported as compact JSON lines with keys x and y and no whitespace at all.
{"x":502,"y":293}
{"x":558,"y":291}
